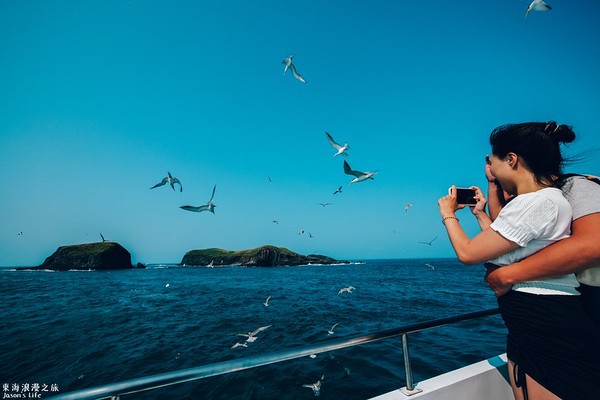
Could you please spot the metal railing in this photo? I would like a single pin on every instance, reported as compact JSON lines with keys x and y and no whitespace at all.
{"x":115,"y":390}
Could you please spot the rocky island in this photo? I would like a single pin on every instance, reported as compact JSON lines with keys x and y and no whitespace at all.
{"x":89,"y":256}
{"x":264,"y":256}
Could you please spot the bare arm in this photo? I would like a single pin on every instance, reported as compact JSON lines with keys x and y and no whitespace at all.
{"x":497,"y":198}
{"x":485,"y":246}
{"x":579,"y":251}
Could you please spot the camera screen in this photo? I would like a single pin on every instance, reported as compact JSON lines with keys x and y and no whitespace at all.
{"x":465,"y":196}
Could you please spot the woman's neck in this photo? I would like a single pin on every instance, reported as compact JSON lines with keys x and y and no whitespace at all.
{"x":528,"y":184}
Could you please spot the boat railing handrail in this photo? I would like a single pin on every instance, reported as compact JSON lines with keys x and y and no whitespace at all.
{"x":114,"y":390}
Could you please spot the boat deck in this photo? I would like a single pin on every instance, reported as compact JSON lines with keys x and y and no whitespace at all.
{"x":486,"y":379}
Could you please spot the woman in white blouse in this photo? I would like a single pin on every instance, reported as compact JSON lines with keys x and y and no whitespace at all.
{"x":553,"y":347}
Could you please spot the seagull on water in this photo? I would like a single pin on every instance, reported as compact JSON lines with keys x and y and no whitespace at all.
{"x":538,"y":5}
{"x":429,"y":243}
{"x":316,"y":387}
{"x":348,"y":289}
{"x":338,"y":190}
{"x":341,"y":150}
{"x":252,"y":335}
{"x":331,"y":332}
{"x":406,"y":207}
{"x":289,"y":65}
{"x":206,"y":207}
{"x":359,"y":175}
{"x":266,"y":303}
{"x":170,"y":180}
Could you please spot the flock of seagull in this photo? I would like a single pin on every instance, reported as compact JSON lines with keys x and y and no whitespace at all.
{"x":340,"y":150}
{"x":252,"y":336}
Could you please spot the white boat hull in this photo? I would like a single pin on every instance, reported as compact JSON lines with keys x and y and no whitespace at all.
{"x":486,"y":380}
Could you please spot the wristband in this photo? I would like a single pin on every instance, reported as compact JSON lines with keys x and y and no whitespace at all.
{"x":445,"y":218}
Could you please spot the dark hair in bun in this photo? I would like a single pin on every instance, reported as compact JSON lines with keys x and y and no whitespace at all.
{"x":560,"y":133}
{"x":538,"y":143}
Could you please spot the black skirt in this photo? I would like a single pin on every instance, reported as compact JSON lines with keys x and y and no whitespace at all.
{"x":553,"y":340}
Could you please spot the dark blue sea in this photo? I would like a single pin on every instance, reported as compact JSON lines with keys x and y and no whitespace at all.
{"x":80,"y":329}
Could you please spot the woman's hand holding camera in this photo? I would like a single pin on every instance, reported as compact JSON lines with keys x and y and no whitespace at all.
{"x":448,"y":204}
{"x":479,"y":207}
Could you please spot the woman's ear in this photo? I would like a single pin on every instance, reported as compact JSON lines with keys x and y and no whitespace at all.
{"x":512,"y":159}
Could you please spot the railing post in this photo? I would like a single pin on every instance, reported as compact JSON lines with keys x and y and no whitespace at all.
{"x":410,"y":388}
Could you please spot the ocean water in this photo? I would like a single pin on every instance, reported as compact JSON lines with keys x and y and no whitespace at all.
{"x":81,"y":329}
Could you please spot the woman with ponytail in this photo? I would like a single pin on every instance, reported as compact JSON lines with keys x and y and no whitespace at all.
{"x":553,"y":347}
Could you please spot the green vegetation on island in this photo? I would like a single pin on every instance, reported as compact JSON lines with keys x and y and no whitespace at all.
{"x":88,"y":256}
{"x":264,"y":256}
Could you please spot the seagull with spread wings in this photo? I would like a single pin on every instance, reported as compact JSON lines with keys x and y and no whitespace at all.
{"x":206,"y":207}
{"x":341,"y":150}
{"x":348,"y":289}
{"x":537,"y":5}
{"x":359,"y":175}
{"x":171,"y":181}
{"x":331,"y":331}
{"x":289,"y":65}
{"x":429,"y":243}
{"x":252,"y":335}
{"x":316,"y":387}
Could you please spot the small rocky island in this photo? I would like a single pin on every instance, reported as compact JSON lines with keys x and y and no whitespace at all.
{"x":88,"y":256}
{"x":264,"y":256}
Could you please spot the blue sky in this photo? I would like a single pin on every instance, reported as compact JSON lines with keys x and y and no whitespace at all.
{"x":99,"y":99}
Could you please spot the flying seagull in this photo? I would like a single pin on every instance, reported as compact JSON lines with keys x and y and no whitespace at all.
{"x":325,"y":204}
{"x":359,"y":175}
{"x":316,"y":387}
{"x":429,"y":265}
{"x":206,"y":207}
{"x":406,"y":207}
{"x":252,"y":335}
{"x":338,"y":190}
{"x":348,"y":289}
{"x":239,"y":345}
{"x":340,"y":149}
{"x":266,"y":303}
{"x":170,"y":180}
{"x":330,"y":331}
{"x":538,"y":5}
{"x":429,"y":243}
{"x":289,"y":65}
